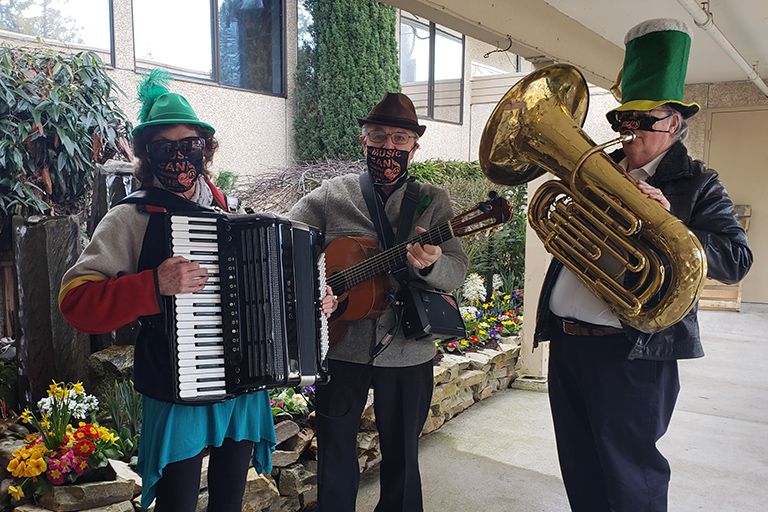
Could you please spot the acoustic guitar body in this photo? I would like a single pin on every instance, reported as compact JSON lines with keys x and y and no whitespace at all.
{"x":365,"y":300}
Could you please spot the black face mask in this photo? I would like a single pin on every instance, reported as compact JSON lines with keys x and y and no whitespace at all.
{"x":387,"y":166}
{"x":177,"y":173}
{"x":635,"y":121}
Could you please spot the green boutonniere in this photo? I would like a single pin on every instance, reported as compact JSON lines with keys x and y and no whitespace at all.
{"x":424,"y":201}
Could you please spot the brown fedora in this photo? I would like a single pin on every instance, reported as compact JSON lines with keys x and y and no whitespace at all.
{"x":396,"y":109}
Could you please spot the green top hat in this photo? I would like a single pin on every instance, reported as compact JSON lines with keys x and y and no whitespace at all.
{"x":162,"y":107}
{"x":655,"y":64}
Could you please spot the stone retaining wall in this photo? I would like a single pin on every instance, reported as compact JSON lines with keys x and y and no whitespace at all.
{"x":460,"y":381}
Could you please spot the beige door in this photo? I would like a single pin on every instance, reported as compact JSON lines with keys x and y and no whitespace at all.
{"x":737,"y":148}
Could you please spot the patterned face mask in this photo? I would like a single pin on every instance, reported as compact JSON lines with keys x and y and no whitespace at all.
{"x":178,"y":173}
{"x":387,"y":166}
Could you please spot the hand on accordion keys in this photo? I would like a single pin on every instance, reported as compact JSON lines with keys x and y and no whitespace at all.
{"x":329,"y":302}
{"x":178,"y":275}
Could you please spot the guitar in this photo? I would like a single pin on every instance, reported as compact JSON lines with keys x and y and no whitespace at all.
{"x":357,"y":269}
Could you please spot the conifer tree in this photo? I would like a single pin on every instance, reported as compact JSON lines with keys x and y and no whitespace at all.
{"x":347,"y":67}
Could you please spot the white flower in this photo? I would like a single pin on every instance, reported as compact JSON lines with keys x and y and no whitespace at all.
{"x":498,"y":283}
{"x":299,"y":400}
{"x":474,"y":288}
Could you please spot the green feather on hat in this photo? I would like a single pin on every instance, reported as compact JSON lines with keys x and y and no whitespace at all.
{"x":158,"y":106}
{"x":655,"y":65}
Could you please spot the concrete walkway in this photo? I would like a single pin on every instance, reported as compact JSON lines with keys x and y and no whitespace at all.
{"x":500,"y":455}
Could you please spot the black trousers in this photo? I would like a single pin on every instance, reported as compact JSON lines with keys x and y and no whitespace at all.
{"x":179,"y":486}
{"x":401,"y":403}
{"x":609,"y":413}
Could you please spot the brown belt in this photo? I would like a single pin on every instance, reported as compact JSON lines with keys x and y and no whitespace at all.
{"x":576,"y":328}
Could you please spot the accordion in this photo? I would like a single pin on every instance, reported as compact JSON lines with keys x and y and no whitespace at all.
{"x":257,"y":324}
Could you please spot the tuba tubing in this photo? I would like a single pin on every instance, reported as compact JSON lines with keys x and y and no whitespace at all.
{"x":642,"y":261}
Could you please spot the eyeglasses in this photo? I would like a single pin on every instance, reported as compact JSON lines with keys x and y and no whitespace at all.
{"x":398,"y":138}
{"x":163,"y":149}
{"x":636,"y":121}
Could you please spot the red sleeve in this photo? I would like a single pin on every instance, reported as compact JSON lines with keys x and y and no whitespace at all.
{"x":103,"y":305}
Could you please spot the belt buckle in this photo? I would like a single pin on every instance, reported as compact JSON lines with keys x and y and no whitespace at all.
{"x":570,"y":327}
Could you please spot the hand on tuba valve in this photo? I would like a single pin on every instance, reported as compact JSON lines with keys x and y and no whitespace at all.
{"x":593,"y":210}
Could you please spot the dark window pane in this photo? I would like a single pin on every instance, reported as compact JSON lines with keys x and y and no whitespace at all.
{"x":82,"y":24}
{"x":174,"y":34}
{"x":250,"y":44}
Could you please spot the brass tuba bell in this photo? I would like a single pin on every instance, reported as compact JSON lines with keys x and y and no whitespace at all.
{"x":652,"y":267}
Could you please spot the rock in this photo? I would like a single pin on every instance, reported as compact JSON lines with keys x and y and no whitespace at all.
{"x":300,"y":441}
{"x":106,"y":366}
{"x":295,"y":480}
{"x":286,"y":504}
{"x":440,"y":374}
{"x":125,"y":473}
{"x":283,"y":458}
{"x":64,"y":498}
{"x":368,"y":417}
{"x":284,"y":430}
{"x":48,"y":346}
{"x":471,"y":378}
{"x":261,"y":499}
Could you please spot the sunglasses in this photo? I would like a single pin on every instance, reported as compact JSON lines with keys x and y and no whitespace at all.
{"x":636,"y":121}
{"x":163,"y":149}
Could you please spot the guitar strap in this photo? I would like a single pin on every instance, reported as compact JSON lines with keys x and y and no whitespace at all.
{"x":387,"y":239}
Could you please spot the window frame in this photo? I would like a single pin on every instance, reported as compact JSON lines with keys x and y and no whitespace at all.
{"x":433,"y":31}
{"x":215,"y":57}
{"x":27,"y":40}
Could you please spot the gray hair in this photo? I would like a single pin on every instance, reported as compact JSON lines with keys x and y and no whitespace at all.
{"x":681,"y":133}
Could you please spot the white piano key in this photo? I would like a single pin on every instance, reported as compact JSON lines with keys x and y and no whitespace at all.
{"x":179,"y":220}
{"x":202,"y":353}
{"x":188,"y":315}
{"x":198,"y":297}
{"x":189,"y":299}
{"x":199,"y":363}
{"x":188,"y":340}
{"x":194,"y":374}
{"x":201,"y":386}
{"x":200,"y":334}
{"x":197,"y":322}
{"x":188,"y":394}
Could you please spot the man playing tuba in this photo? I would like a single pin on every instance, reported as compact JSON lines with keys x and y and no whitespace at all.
{"x":613,"y":389}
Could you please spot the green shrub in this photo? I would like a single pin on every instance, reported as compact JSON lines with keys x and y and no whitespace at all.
{"x":58,"y":118}
{"x":351,"y":61}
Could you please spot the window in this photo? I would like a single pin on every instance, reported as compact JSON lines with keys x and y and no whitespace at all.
{"x":432,"y":68}
{"x":63,"y":24}
{"x":238,"y":43}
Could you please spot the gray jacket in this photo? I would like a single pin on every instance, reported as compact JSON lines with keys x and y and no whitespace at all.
{"x":338,"y":208}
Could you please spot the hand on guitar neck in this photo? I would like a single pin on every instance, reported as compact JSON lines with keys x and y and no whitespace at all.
{"x":422,"y":256}
{"x":358,"y":270}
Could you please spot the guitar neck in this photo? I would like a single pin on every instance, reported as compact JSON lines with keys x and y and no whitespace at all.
{"x":388,"y":260}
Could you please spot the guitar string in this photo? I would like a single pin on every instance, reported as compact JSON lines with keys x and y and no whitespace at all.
{"x":397,"y":255}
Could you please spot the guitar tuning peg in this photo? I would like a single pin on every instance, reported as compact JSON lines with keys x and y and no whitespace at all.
{"x":484,"y":207}
{"x":493,"y":195}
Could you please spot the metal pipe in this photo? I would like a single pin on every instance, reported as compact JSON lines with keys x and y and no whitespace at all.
{"x":703,"y":20}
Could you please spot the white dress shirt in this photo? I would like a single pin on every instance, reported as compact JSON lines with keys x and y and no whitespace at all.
{"x":570,"y":298}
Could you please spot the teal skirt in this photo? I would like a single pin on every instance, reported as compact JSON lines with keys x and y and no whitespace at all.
{"x":175,"y":432}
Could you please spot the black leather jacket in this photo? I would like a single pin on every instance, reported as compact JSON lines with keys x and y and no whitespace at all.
{"x":699,"y":199}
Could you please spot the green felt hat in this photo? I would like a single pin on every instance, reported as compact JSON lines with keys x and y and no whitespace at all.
{"x":162,"y":107}
{"x":655,"y":64}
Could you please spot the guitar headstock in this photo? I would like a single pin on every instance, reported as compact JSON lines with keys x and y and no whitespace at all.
{"x":487,"y":214}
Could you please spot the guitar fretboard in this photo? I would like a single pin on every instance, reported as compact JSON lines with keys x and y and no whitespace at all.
{"x":388,"y":260}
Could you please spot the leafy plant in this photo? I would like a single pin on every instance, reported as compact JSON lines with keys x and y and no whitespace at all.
{"x":60,"y":453}
{"x":346,"y":64}
{"x":488,"y":322}
{"x":58,"y":118}
{"x":124,"y":405}
{"x":225,"y":181}
{"x":290,"y":402}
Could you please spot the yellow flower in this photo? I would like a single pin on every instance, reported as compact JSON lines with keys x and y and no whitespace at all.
{"x":45,"y":424}
{"x":35,"y":467}
{"x":463,"y":342}
{"x":17,"y":468}
{"x":16,"y":492}
{"x":78,"y":387}
{"x":486,"y":305}
{"x":506,"y":297}
{"x":26,"y":416}
{"x":52,"y":388}
{"x":481,"y":332}
{"x":105,"y":434}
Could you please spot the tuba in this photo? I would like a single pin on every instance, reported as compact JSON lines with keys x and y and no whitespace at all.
{"x":642,"y":261}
